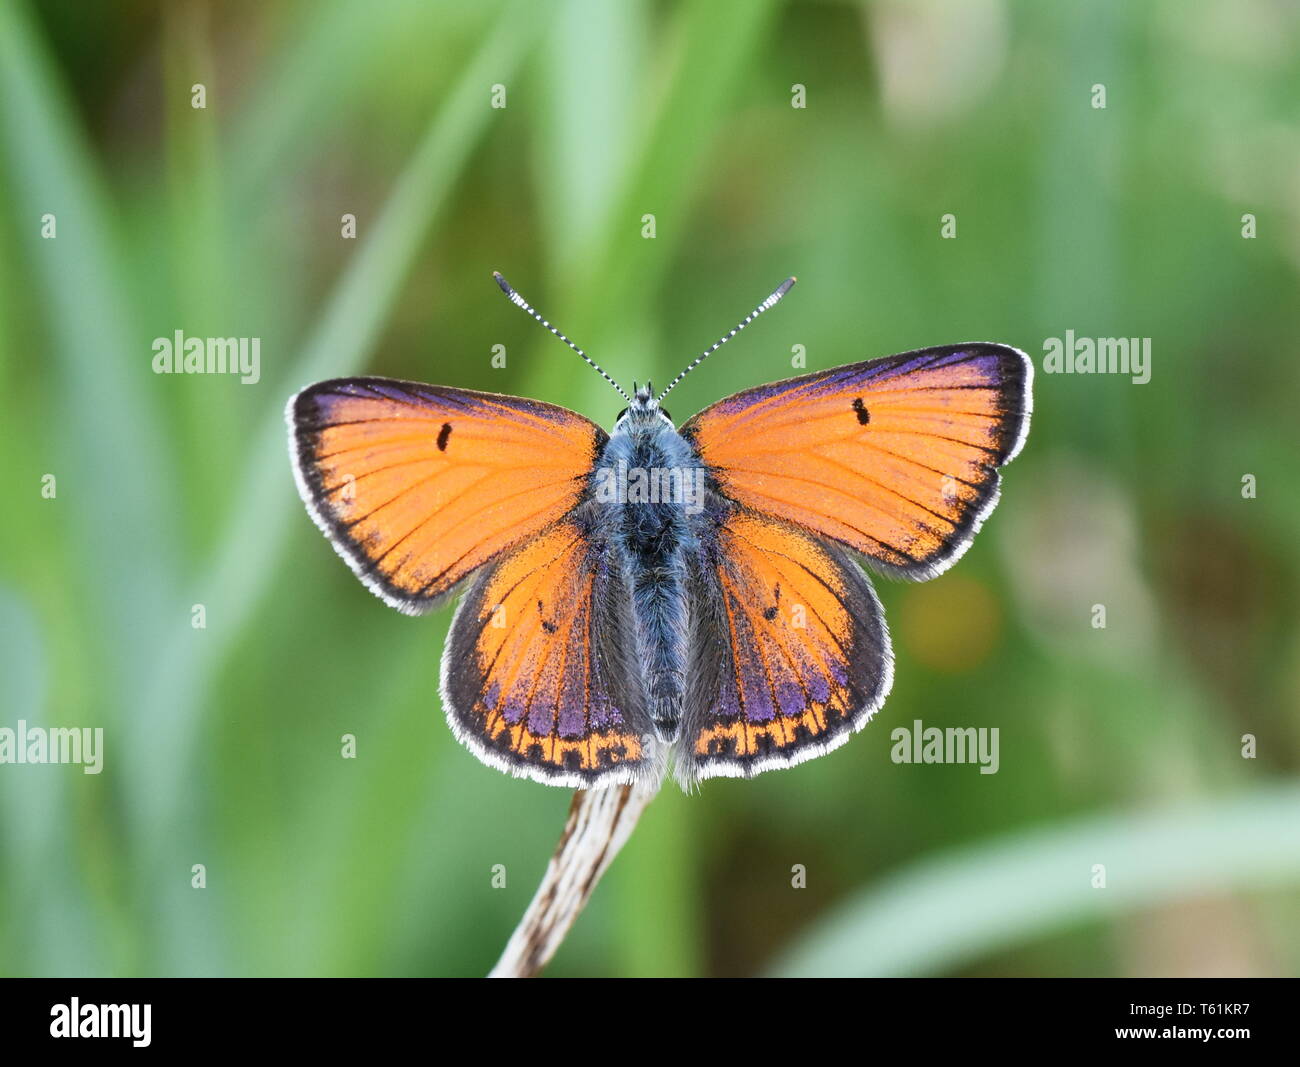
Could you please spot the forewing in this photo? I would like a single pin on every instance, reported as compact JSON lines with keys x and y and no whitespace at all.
{"x":896,"y":458}
{"x":417,"y":486}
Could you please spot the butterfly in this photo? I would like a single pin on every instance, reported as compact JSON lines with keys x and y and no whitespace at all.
{"x":659,"y":596}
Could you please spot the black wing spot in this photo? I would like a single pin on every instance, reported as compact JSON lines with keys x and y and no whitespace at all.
{"x":722,"y":746}
{"x":769,"y":614}
{"x":443,"y":434}
{"x":549,"y":627}
{"x":864,"y":416}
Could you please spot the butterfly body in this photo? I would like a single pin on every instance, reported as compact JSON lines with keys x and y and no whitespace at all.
{"x":651,"y":480}
{"x":657,"y":595}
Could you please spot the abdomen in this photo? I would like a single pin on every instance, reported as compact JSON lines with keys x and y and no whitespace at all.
{"x":656,"y":576}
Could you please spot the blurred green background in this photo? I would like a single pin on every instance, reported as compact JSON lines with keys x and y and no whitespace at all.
{"x":1119,"y":746}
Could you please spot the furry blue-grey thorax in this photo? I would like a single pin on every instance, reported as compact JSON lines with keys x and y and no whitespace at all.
{"x":649,"y":490}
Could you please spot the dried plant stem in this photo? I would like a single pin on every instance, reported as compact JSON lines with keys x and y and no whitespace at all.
{"x":600,"y":822}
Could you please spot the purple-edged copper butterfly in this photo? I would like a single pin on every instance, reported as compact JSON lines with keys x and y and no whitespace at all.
{"x":656,"y":595}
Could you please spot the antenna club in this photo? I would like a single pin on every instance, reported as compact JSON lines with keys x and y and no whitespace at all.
{"x":766,"y":305}
{"x":520,"y":302}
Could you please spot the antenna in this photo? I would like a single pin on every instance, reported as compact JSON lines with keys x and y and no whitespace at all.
{"x":515,"y":298}
{"x":771,"y":301}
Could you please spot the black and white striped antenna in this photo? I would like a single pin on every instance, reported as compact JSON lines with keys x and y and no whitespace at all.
{"x":515,"y":298}
{"x":771,"y":301}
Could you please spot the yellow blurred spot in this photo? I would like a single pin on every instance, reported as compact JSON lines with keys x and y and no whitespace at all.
{"x":950,"y":625}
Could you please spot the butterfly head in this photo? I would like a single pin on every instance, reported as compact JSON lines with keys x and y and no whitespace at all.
{"x":643,"y":411}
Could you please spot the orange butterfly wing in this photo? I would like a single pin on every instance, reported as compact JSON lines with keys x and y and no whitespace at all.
{"x":791,"y":650}
{"x":417,"y":486}
{"x":537,"y":675}
{"x":896,"y":458}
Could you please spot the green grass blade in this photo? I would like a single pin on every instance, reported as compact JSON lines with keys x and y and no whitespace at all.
{"x":945,"y":912}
